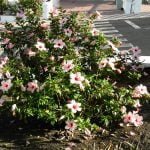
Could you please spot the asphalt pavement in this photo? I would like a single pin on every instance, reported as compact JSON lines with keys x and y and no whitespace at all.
{"x":136,"y":31}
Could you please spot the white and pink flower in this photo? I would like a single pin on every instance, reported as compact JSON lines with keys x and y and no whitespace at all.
{"x":74,"y":106}
{"x":44,"y":25}
{"x":70,"y":125}
{"x":3,"y":61}
{"x":129,"y":118}
{"x":59,"y":44}
{"x":6,"y":85}
{"x":111,"y":64}
{"x":6,"y":41}
{"x":63,"y":21}
{"x":95,"y":32}
{"x":133,"y":118}
{"x":138,"y":120}
{"x":135,"y":51}
{"x":32,"y":86}
{"x":102,"y":63}
{"x":139,"y":91}
{"x":29,"y":52}
{"x":40,"y":46}
{"x":76,"y":78}
{"x":10,"y":45}
{"x":68,"y":32}
{"x":55,"y":12}
{"x":67,"y":65}
{"x":20,"y":14}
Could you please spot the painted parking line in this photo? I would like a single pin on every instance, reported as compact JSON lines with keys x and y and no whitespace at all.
{"x":103,"y":25}
{"x":111,"y":31}
{"x":125,"y":16}
{"x":100,"y":22}
{"x":113,"y":35}
{"x":125,"y":45}
{"x":123,"y":39}
{"x":132,"y":24}
{"x":105,"y":28}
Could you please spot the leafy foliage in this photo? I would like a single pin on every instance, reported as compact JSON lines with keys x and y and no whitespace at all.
{"x":63,"y":69}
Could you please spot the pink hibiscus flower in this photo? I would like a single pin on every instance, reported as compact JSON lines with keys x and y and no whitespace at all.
{"x":129,"y":118}
{"x":29,"y":52}
{"x":44,"y":25}
{"x":139,"y":91}
{"x":68,"y":32}
{"x":20,"y":14}
{"x":55,"y":12}
{"x":40,"y":46}
{"x":135,"y":51}
{"x":111,"y":64}
{"x":70,"y":125}
{"x":102,"y":63}
{"x":6,"y":41}
{"x":133,"y":118}
{"x":3,"y":60}
{"x":76,"y":78}
{"x":6,"y":85}
{"x":32,"y":86}
{"x":74,"y":106}
{"x":59,"y":44}
{"x":138,"y":120}
{"x":10,"y":45}
{"x":95,"y":32}
{"x":63,"y":21}
{"x":67,"y":65}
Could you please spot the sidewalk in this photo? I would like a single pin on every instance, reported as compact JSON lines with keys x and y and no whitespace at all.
{"x":105,"y":7}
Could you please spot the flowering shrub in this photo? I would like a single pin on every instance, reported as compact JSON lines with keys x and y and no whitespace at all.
{"x":10,"y":7}
{"x":34,"y":5}
{"x":65,"y":71}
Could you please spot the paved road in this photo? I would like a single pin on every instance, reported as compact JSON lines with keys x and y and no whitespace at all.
{"x":132,"y":30}
{"x":136,"y":31}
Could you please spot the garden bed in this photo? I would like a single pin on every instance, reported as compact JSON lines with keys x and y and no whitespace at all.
{"x":34,"y":135}
{"x":65,"y":85}
{"x":22,"y":137}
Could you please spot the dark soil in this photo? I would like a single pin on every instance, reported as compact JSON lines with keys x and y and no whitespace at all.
{"x":17,"y":136}
{"x":21,"y":137}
